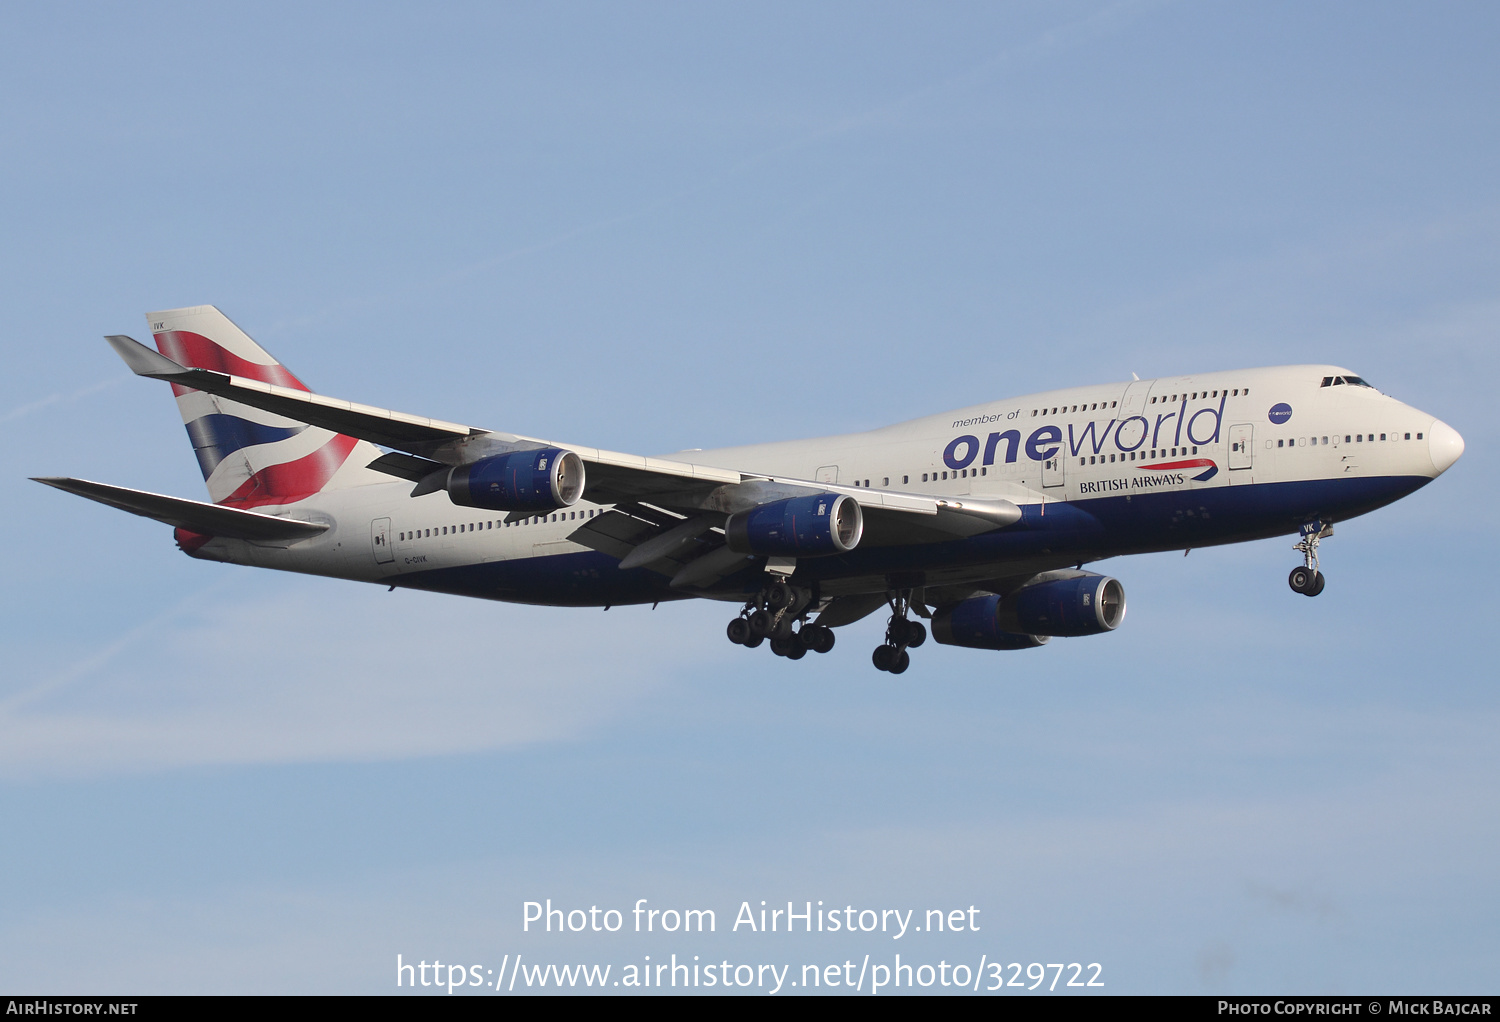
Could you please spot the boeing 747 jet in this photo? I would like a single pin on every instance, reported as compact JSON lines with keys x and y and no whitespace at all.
{"x":978,"y":520}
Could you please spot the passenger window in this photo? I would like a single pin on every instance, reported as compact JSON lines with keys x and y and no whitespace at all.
{"x":1382,"y":436}
{"x":904,"y":480}
{"x":1408,"y":436}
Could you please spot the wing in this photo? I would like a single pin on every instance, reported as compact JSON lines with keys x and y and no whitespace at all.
{"x":685,"y":491}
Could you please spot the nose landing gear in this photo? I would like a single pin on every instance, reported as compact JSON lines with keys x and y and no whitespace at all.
{"x":901,"y":634}
{"x":1308,"y":580}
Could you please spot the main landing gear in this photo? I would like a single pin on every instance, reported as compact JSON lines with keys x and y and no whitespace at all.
{"x":1308,"y":580}
{"x":774,"y":614}
{"x":901,"y":634}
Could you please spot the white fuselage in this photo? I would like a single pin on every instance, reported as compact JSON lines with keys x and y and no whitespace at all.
{"x":1188,"y":436}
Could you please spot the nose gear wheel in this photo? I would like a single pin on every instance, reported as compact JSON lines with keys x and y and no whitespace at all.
{"x":1308,"y":580}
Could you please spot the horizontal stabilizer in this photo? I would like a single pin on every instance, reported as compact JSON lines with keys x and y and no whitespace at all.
{"x":210,"y":519}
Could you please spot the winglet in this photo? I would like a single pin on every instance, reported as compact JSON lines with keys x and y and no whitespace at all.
{"x":141,"y":359}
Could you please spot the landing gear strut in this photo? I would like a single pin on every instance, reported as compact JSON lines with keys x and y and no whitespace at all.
{"x":774,"y":614}
{"x":1308,"y":580}
{"x":901,"y":634}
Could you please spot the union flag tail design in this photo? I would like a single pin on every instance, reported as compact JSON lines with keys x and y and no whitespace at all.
{"x":252,"y":458}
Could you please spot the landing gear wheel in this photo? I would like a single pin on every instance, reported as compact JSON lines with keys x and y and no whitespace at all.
{"x":761,"y":623}
{"x":791,"y":648}
{"x":818,"y":638}
{"x":739,"y":631}
{"x":1301,"y":580}
{"x":753,"y":641}
{"x":883,"y":657}
{"x":783,"y":627}
{"x":1308,"y":580}
{"x":778,"y":596}
{"x":916,"y":634}
{"x":900,"y":662}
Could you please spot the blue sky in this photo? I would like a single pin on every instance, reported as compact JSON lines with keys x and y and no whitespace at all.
{"x":657,"y":226}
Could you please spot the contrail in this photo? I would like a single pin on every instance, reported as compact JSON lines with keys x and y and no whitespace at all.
{"x":88,"y":665}
{"x":52,"y":399}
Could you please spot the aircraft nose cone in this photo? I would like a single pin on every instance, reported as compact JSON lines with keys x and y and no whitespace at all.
{"x":1444,"y":445}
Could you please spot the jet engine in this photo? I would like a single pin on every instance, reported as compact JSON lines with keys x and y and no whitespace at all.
{"x":826,"y":523}
{"x":975,"y":623}
{"x":1085,"y":604}
{"x":542,"y":480}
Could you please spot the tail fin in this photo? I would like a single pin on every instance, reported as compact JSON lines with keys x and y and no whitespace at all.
{"x":252,"y":458}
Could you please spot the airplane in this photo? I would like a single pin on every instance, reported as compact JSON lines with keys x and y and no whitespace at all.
{"x":979,"y":520}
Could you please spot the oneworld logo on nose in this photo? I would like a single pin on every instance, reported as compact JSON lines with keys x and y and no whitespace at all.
{"x":1280,"y":413}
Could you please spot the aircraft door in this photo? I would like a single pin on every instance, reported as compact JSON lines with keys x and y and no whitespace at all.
{"x":1134,"y":399}
{"x":380,"y":541}
{"x":828,"y":474}
{"x":1241,"y":445}
{"x":1053,"y":470}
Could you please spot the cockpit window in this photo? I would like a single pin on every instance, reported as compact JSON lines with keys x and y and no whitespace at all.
{"x":1339,"y":381}
{"x":1356,"y":381}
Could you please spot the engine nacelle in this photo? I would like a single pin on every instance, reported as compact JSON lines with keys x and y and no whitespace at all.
{"x":543,"y":480}
{"x":1062,"y":607}
{"x":1081,"y":605}
{"x":826,"y":523}
{"x":975,"y":623}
